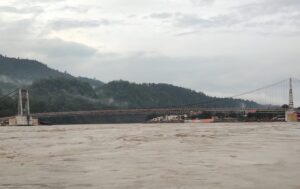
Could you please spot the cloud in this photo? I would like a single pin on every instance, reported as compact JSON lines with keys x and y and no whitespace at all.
{"x":264,"y":18}
{"x":19,"y":39}
{"x":62,"y":49}
{"x":8,"y":9}
{"x":202,"y":2}
{"x":268,"y":8}
{"x":71,"y":24}
{"x":11,"y":32}
{"x":226,"y":46}
{"x":39,"y":1}
{"x":192,"y":20}
{"x":81,"y":9}
{"x":162,"y":15}
{"x":24,"y":10}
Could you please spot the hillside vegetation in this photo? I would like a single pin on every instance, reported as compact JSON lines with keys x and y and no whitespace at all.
{"x":54,"y":91}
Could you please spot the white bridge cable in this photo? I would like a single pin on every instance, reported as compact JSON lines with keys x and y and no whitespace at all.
{"x":274,"y":94}
{"x":259,"y":89}
{"x":205,"y":102}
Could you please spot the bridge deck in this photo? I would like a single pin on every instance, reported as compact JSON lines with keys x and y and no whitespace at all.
{"x":152,"y":111}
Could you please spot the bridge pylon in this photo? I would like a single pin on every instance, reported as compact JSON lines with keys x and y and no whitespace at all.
{"x":23,"y":118}
{"x":23,"y":103}
{"x":291,"y":114}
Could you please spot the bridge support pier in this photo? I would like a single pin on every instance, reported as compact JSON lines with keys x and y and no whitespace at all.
{"x":22,"y":121}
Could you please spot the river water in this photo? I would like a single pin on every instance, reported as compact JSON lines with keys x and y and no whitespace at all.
{"x":222,"y":155}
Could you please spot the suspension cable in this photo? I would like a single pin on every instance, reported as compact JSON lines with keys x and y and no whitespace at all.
{"x":4,"y":97}
{"x":234,"y":96}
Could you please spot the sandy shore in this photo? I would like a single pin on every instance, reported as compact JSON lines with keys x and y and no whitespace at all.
{"x":151,"y":156}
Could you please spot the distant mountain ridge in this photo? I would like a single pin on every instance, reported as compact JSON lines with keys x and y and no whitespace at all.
{"x":55,"y":91}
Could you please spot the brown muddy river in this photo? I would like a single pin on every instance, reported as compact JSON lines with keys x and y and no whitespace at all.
{"x":239,"y":155}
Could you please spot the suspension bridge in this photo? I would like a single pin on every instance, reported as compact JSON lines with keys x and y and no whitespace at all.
{"x":277,"y":98}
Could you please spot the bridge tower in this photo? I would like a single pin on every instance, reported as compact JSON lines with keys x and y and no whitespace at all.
{"x":23,"y":103}
{"x":23,"y":118}
{"x":291,"y":98}
{"x":291,"y":114}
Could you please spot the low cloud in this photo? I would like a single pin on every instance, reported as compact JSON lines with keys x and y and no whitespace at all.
{"x":62,"y":49}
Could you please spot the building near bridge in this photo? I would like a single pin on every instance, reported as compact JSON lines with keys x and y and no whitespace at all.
{"x":291,"y":116}
{"x":169,"y":119}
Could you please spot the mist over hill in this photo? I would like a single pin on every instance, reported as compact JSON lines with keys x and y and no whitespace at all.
{"x":16,"y":72}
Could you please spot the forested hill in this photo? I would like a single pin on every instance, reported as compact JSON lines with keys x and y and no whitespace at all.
{"x":54,"y":91}
{"x":132,"y":95}
{"x":65,"y":94}
{"x":15,"y":72}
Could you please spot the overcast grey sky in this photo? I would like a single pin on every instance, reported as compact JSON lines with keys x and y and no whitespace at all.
{"x":220,"y":47}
